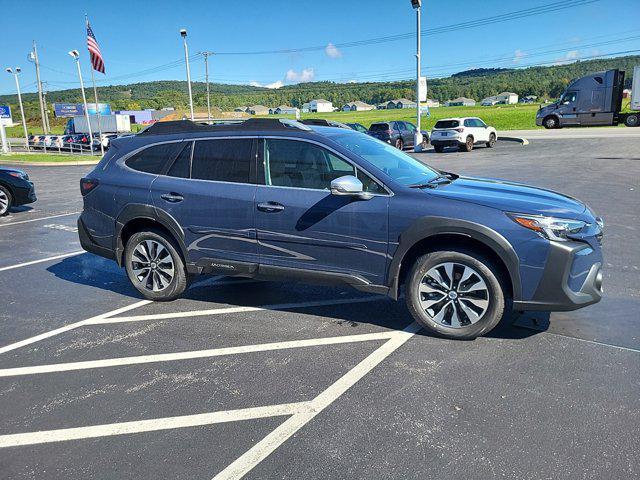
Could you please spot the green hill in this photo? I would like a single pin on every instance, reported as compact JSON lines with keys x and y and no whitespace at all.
{"x":544,"y":81}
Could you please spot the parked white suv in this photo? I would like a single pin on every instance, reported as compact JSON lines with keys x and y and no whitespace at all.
{"x":463,"y":133}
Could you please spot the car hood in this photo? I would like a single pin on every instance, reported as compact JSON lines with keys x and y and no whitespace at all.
{"x":11,"y":170}
{"x":547,"y":109}
{"x":513,"y":197}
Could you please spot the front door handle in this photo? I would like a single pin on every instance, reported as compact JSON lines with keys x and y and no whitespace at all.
{"x":172,"y":197}
{"x":270,"y":207}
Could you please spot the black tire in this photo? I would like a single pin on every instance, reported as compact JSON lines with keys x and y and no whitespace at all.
{"x":178,"y":282}
{"x":484,"y":269}
{"x":492,"y":140}
{"x":438,"y":148}
{"x":467,"y":146}
{"x":551,"y":122}
{"x":5,"y":196}
{"x":399,"y":144}
{"x":632,"y":120}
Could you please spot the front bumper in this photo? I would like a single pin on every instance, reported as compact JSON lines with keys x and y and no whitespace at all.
{"x":539,"y":121}
{"x":572,"y":279}
{"x":25,"y":194}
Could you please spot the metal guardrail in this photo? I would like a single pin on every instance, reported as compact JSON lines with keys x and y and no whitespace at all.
{"x":20,"y":146}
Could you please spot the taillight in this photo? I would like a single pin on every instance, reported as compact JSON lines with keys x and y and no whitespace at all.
{"x":459,"y":130}
{"x":87,"y":185}
{"x":84,"y":139}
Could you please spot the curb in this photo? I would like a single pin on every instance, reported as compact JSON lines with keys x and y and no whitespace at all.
{"x":49,"y":164}
{"x":523,"y":141}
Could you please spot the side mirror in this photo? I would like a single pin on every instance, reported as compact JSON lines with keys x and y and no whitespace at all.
{"x":348,"y":185}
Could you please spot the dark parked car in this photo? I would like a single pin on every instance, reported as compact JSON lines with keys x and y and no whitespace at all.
{"x":397,"y":133}
{"x":278,"y":199}
{"x":15,"y":189}
{"x":358,"y":127}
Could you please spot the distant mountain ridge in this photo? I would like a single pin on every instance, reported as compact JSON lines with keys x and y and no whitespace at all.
{"x":543,"y":81}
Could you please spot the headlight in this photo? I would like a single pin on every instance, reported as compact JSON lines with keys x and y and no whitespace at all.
{"x":550,"y":228}
{"x":22,"y":175}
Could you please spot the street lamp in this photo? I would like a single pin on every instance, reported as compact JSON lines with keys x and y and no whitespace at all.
{"x":75,"y":54}
{"x":183,"y":34}
{"x":24,"y":120}
{"x":417,"y":5}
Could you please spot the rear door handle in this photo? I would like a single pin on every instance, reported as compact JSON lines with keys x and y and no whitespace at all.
{"x":270,"y":207}
{"x":172,"y":197}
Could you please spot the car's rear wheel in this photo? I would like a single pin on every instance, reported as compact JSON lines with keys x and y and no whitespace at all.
{"x":438,"y":148}
{"x":6,"y":201}
{"x":399,"y":144}
{"x":492,"y":140}
{"x":154,"y":266}
{"x":455,"y":294}
{"x":467,"y":146}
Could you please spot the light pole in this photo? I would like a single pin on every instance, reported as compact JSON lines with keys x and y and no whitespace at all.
{"x":183,"y":34}
{"x":417,"y":4}
{"x":15,"y":72}
{"x":76,"y":56}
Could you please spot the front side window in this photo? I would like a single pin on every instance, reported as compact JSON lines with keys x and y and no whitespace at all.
{"x":569,"y":97}
{"x":154,"y":158}
{"x":222,"y":160}
{"x":401,"y":167}
{"x":297,"y":164}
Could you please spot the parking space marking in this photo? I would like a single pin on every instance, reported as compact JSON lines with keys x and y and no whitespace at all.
{"x":189,"y":355}
{"x":140,"y":426}
{"x":42,"y":260}
{"x":277,"y":437}
{"x":69,"y":327}
{"x":225,"y":310}
{"x":38,"y":219}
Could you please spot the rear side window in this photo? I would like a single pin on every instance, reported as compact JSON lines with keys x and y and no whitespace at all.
{"x":153,"y":159}
{"x":378,"y":127}
{"x":181,"y":168}
{"x":222,"y":160}
{"x":447,"y":124}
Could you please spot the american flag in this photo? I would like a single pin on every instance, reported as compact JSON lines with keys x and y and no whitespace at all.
{"x":94,"y":51}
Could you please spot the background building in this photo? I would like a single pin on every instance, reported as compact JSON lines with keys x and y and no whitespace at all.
{"x":460,"y":102}
{"x":320,"y":105}
{"x":357,"y":106}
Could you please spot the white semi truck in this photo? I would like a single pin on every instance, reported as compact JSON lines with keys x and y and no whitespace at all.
{"x":593,"y":100}
{"x":108,"y":124}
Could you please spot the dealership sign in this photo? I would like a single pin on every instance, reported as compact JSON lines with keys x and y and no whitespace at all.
{"x":75,"y":109}
{"x":5,"y":115}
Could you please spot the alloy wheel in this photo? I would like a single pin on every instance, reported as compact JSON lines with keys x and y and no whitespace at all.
{"x":152,"y":265}
{"x":4,"y":202}
{"x":454,"y":295}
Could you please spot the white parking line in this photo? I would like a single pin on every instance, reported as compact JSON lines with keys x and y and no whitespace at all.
{"x":42,"y":260}
{"x":124,"y":428}
{"x":38,"y":219}
{"x":71,"y":326}
{"x":225,"y":310}
{"x":277,"y":437}
{"x":213,"y":352}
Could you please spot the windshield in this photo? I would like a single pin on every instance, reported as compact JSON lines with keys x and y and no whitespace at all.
{"x":447,"y":124}
{"x":401,"y":167}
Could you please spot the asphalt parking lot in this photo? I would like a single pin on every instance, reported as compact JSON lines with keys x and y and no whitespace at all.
{"x":281,"y":380}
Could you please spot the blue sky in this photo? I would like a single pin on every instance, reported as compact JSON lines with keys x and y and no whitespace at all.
{"x":137,"y":36}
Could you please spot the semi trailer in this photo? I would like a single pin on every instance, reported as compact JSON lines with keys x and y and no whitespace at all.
{"x":108,"y":124}
{"x":593,"y":100}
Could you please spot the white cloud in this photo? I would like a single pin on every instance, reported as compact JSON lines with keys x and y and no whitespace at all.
{"x":332,"y":51}
{"x":518,"y":55}
{"x":568,"y":57}
{"x":274,"y":85}
{"x":305,"y":75}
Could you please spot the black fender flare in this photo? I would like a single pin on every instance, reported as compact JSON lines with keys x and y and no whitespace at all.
{"x":426,"y":227}
{"x":136,"y":211}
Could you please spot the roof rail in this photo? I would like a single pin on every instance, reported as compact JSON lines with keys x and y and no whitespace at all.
{"x":187,"y":126}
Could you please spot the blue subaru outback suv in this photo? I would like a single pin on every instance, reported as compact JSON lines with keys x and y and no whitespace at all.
{"x":279,"y":199}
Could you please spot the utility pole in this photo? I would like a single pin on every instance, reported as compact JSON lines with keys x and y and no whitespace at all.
{"x":44,"y":102}
{"x":206,"y":74}
{"x":183,"y":34}
{"x":33,"y":56}
{"x":417,"y":144}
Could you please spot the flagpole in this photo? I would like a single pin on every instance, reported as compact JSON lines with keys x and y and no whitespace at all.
{"x":95,"y":96}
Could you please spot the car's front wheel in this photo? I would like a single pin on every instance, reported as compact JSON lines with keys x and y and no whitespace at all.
{"x":6,"y":200}
{"x":492,"y":140}
{"x":455,"y":294}
{"x":154,"y":266}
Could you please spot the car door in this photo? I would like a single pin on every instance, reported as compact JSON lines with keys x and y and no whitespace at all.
{"x":210,"y":192}
{"x":482,"y":130}
{"x":410,"y":133}
{"x":302,"y":226}
{"x":567,"y":109}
